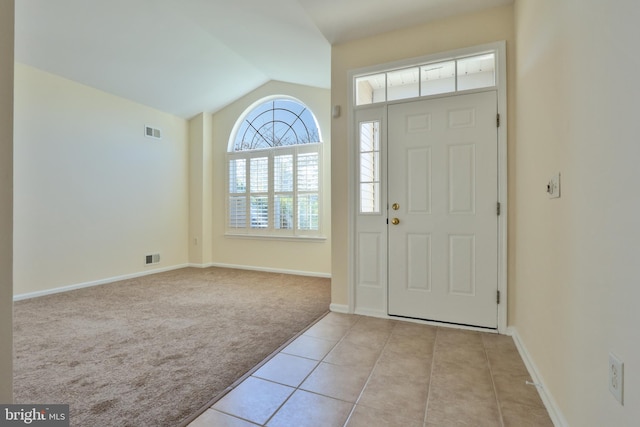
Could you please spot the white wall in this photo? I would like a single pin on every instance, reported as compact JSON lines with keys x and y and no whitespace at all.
{"x":93,"y":195}
{"x":310,"y":257}
{"x":576,"y":290}
{"x":6,"y":199}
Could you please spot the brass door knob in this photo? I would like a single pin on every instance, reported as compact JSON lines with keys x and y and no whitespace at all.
{"x":395,"y":221}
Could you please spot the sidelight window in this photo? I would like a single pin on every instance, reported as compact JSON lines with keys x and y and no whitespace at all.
{"x":369,"y":167}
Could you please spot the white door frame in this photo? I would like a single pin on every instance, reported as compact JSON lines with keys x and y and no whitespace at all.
{"x":499,"y":48}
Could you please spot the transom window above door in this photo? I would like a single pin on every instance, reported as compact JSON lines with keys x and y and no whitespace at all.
{"x":450,"y":76}
{"x":274,"y":172}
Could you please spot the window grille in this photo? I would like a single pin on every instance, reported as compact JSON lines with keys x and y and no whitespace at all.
{"x":274,"y":172}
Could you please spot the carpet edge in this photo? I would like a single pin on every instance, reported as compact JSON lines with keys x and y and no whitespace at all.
{"x":247,"y":374}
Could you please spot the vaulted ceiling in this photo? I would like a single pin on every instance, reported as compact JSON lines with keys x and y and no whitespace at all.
{"x":190,"y":56}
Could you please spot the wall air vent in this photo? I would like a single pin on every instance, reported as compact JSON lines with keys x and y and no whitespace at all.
{"x":152,"y":132}
{"x":151,"y":259}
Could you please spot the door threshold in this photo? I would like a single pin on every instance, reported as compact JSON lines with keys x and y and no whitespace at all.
{"x":445,"y":324}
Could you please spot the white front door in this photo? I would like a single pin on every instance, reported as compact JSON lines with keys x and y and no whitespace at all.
{"x":443,"y":194}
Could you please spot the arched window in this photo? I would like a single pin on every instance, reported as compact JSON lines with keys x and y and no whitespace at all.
{"x":274,"y":171}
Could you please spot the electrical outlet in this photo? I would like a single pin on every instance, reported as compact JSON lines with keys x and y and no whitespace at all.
{"x":616,"y":377}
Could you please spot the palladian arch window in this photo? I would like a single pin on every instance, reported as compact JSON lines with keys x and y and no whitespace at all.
{"x":274,"y":171}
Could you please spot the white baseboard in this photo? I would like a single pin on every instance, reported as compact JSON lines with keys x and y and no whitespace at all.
{"x":339,"y":308}
{"x":266,"y":269}
{"x":549,"y":402}
{"x":159,"y":270}
{"x":194,"y":265}
{"x":29,"y":295}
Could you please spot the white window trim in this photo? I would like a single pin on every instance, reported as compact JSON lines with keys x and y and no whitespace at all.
{"x":453,"y":56}
{"x":237,"y":125}
{"x":271,"y":232}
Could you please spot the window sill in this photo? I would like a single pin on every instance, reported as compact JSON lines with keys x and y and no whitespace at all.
{"x":315,"y":239}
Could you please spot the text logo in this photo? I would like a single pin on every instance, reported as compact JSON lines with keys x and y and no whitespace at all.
{"x":34,"y":415}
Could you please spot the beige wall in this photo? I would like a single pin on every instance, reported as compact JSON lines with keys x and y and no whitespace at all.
{"x":6,"y":200}
{"x":441,"y":36}
{"x":93,"y":195}
{"x":577,"y":275}
{"x":311,"y":257}
{"x":200,"y":188}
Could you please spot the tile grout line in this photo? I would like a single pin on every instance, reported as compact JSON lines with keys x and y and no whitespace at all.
{"x":493,"y":383}
{"x":305,"y":378}
{"x":249,"y":373}
{"x":280,"y":350}
{"x":486,"y":347}
{"x":307,"y":357}
{"x":433,"y":362}
{"x":364,"y":386}
{"x":234,"y":416}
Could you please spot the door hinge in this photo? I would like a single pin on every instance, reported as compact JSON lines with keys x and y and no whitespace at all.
{"x":498,"y":298}
{"x":498,"y":208}
{"x":498,"y":120}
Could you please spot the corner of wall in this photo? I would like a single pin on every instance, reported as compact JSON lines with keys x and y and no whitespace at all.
{"x":100,"y":195}
{"x":538,"y":381}
{"x":6,"y":199}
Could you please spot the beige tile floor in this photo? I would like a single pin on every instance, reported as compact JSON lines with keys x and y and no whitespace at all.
{"x":354,"y":371}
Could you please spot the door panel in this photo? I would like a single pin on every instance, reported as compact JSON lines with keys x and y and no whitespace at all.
{"x":443,"y":175}
{"x":419,"y":180}
{"x":369,"y":255}
{"x":462,"y":194}
{"x":370,"y":251}
{"x":419,"y":262}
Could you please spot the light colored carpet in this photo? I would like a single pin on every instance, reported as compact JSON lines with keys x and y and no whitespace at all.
{"x":152,"y":351}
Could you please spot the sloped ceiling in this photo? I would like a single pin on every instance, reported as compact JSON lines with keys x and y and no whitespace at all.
{"x":190,"y":56}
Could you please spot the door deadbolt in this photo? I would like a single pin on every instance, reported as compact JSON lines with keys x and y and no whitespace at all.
{"x":395,"y":206}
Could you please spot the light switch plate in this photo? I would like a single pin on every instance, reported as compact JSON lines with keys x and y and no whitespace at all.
{"x":553,"y":186}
